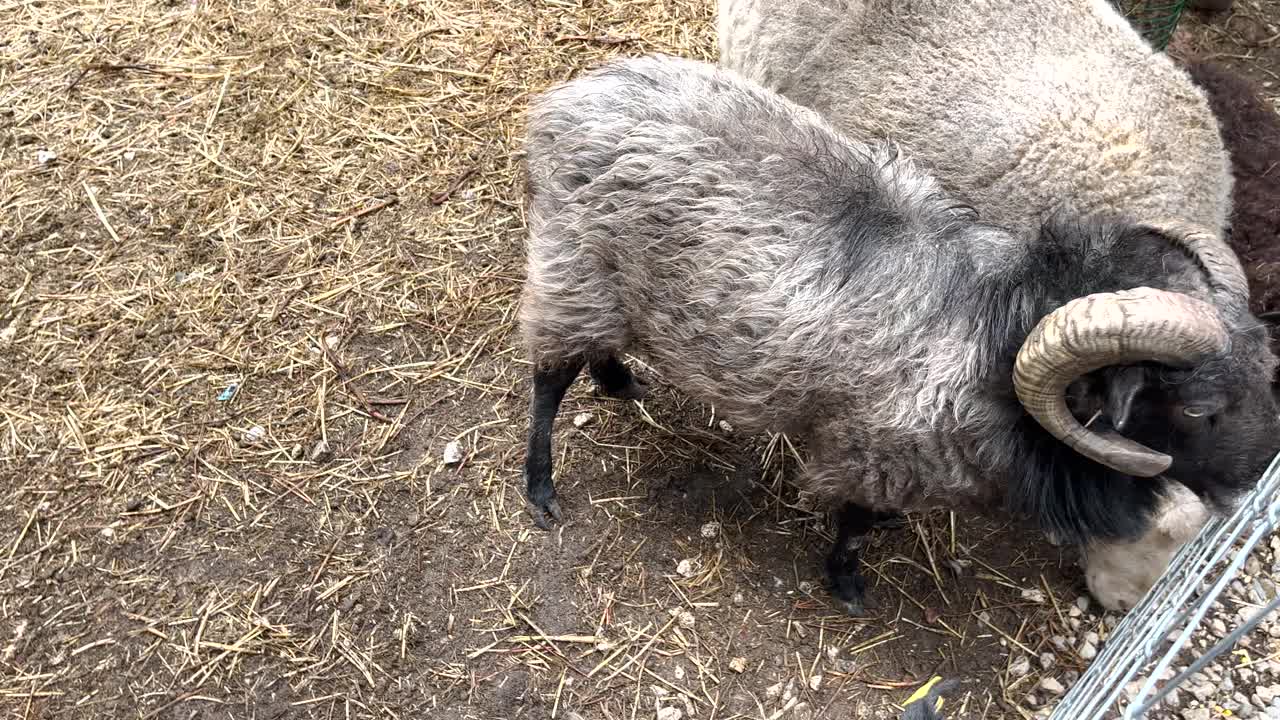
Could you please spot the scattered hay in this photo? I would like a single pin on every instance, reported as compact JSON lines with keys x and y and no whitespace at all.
{"x":258,"y":269}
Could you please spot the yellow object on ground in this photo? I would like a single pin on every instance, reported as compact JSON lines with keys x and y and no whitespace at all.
{"x":923,"y":692}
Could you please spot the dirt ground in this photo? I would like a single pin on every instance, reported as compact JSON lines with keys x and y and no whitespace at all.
{"x":258,"y":268}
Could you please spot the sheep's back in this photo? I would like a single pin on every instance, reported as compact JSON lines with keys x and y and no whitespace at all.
{"x":1020,"y":107}
{"x":757,"y":259}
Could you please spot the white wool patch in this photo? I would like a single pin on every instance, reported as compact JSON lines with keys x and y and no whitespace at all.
{"x":1120,"y":574}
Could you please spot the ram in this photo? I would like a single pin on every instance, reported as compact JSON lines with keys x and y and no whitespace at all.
{"x":799,"y":281}
{"x":1024,"y":109}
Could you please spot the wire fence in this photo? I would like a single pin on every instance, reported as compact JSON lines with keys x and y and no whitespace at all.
{"x":1155,"y":20}
{"x":1172,"y":611}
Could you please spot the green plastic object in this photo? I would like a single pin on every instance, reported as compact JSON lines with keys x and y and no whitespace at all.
{"x":1154,"y":19}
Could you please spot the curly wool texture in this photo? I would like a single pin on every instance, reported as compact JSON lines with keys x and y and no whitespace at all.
{"x":1251,"y":131}
{"x":748,"y":252}
{"x":1022,"y":108}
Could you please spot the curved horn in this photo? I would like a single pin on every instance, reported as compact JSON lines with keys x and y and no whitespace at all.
{"x":1226,"y":276}
{"x":1088,"y":333}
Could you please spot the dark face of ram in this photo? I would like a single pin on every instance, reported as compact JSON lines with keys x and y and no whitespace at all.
{"x":1220,"y":422}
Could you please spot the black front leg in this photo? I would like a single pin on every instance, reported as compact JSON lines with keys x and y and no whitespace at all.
{"x":853,"y":524}
{"x":549,"y":387}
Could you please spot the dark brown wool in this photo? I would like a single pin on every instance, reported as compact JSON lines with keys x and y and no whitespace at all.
{"x":1251,"y":133}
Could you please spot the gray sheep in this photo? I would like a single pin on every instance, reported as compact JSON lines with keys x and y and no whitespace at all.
{"x":1024,"y":109}
{"x":803,"y":282}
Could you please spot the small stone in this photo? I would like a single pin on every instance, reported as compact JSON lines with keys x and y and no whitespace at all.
{"x":321,"y":451}
{"x":452,"y":453}
{"x":108,"y":533}
{"x":687,"y":620}
{"x":710,"y":530}
{"x":1074,"y":612}
{"x":1035,"y":595}
{"x":738,"y":664}
{"x":130,"y":155}
{"x":582,"y":420}
{"x":1046,"y":660}
{"x":773,"y":691}
{"x":1087,"y":651}
{"x":135,"y":504}
{"x":1200,"y":713}
{"x":686,"y":568}
{"x":1031,"y":701}
{"x":1059,"y":642}
{"x":1253,"y":566}
{"x":739,"y":598}
{"x":254,"y":435}
{"x":1267,"y":693}
{"x":1219,"y":627}
{"x":1020,"y":666}
{"x":670,"y":713}
{"x":1052,"y":686}
{"x":44,"y":157}
{"x":295,"y":452}
{"x":1082,"y":602}
{"x":725,"y":426}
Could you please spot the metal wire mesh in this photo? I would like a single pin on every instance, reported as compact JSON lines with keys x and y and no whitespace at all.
{"x":1154,"y":19}
{"x":1169,"y":614}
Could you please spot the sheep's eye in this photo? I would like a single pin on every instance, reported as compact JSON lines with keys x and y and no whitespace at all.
{"x":1194,"y":411}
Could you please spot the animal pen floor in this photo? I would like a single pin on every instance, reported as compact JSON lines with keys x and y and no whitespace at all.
{"x":258,"y":266}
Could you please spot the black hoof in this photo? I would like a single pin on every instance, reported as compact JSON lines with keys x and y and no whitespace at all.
{"x":542,"y":503}
{"x":546,"y":514}
{"x":635,"y":390}
{"x":614,"y":379}
{"x":845,"y":580}
{"x":851,"y":592}
{"x":889,"y":521}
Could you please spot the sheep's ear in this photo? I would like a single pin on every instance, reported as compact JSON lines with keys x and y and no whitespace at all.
{"x":1123,"y":387}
